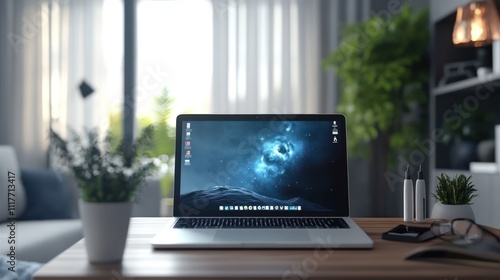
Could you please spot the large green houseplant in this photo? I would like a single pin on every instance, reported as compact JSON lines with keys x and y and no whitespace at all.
{"x":382,"y":64}
{"x":108,"y":185}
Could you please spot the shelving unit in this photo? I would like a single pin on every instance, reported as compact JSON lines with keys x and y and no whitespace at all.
{"x":453,"y":103}
{"x":468,"y":85}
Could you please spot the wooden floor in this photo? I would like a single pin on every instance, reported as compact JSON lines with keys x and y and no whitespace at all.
{"x":384,"y":261}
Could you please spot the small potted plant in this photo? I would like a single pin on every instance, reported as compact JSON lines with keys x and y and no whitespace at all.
{"x":108,"y":175}
{"x":454,"y":197}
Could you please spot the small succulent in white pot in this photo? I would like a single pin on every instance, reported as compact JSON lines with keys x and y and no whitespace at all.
{"x":454,"y":197}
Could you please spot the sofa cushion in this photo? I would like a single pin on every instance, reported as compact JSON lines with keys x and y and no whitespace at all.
{"x":10,"y":179}
{"x":47,"y":195}
{"x":40,"y":241}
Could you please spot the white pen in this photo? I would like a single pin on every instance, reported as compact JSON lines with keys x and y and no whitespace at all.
{"x":420,"y":197}
{"x":407,"y":196}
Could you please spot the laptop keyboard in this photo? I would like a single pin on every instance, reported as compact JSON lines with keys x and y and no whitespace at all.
{"x":272,"y":223}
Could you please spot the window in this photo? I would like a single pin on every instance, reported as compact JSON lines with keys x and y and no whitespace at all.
{"x":173,"y":67}
{"x":174,"y":52}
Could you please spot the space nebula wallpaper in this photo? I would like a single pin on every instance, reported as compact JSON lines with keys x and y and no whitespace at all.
{"x":283,"y":163}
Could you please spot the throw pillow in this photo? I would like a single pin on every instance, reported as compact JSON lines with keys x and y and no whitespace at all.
{"x":47,"y":195}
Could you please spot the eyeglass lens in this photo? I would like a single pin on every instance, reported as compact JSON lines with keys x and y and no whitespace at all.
{"x":441,"y":228}
{"x":467,"y":230}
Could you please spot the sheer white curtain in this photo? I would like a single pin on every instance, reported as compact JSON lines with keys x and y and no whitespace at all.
{"x":23,"y":81}
{"x":49,"y":47}
{"x":80,"y":52}
{"x":266,"y":56}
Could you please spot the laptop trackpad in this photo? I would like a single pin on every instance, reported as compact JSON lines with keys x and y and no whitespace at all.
{"x":262,"y":236}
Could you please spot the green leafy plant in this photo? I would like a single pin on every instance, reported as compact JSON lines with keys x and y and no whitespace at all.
{"x":454,"y":191}
{"x":164,"y":133}
{"x":383,"y":67}
{"x":163,"y":146}
{"x":100,"y":170}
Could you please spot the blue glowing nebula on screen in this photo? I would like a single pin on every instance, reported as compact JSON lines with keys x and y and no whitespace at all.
{"x":277,"y":154}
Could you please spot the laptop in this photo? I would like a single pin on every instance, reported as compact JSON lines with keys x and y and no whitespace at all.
{"x":261,"y":181}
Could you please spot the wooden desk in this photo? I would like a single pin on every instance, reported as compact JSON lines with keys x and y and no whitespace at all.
{"x":385,"y":260}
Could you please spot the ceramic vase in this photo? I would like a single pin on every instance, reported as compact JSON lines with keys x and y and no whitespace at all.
{"x":105,"y":228}
{"x":450,"y":212}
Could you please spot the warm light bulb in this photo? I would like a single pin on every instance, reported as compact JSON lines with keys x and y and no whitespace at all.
{"x":477,"y":11}
{"x":477,"y":29}
{"x":478,"y":24}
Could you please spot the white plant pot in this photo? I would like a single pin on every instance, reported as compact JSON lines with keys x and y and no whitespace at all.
{"x":105,"y":228}
{"x":450,"y":212}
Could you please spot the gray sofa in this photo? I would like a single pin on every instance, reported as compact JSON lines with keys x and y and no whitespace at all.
{"x":46,"y":219}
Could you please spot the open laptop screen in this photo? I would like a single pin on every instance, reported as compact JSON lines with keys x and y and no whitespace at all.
{"x":261,"y":165}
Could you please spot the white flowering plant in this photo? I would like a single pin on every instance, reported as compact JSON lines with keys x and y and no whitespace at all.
{"x":103,"y":173}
